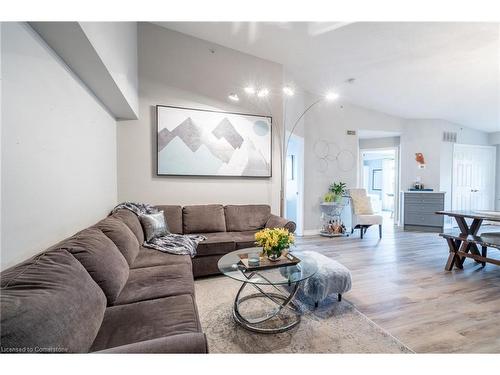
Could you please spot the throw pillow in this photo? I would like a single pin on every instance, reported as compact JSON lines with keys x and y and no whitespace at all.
{"x":154,"y":225}
{"x":363,"y":206}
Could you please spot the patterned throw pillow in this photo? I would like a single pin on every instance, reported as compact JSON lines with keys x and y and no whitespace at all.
{"x":362,"y":205}
{"x":154,"y":225}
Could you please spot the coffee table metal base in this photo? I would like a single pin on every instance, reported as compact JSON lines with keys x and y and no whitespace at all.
{"x":282,"y":301}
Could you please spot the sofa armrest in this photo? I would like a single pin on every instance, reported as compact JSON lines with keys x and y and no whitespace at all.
{"x":275,"y":221}
{"x":195,"y":342}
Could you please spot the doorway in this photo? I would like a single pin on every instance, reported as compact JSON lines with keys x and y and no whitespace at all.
{"x":379,"y":176}
{"x":294,"y":182}
{"x":473,"y":177}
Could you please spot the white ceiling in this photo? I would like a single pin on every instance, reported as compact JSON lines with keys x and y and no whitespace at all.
{"x":448,"y":71}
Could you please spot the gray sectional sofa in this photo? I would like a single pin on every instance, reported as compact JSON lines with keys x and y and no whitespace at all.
{"x":102,"y":291}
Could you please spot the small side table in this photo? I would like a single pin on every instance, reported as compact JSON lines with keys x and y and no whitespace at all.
{"x":331,"y":223}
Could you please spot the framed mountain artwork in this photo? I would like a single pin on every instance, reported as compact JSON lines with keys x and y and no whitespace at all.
{"x":197,"y":142}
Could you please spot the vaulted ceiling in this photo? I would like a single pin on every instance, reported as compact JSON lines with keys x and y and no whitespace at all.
{"x":448,"y":71}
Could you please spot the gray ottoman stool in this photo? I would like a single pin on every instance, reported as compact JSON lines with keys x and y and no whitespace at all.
{"x":332,"y":277}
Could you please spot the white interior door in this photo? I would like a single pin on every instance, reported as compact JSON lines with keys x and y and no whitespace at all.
{"x":473,"y":177}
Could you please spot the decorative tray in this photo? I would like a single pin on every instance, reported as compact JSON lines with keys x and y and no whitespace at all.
{"x":283,"y":261}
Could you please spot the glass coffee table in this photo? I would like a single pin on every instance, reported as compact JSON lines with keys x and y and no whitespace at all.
{"x":284,"y":283}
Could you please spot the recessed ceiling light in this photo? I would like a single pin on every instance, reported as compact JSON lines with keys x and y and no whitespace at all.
{"x":249,"y":90}
{"x":233,"y":97}
{"x":288,"y":91}
{"x":331,"y":96}
{"x":262,"y":93}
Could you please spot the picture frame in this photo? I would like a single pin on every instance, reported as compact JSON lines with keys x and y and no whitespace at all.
{"x":197,"y":142}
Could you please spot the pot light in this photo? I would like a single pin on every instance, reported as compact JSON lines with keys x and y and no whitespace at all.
{"x":233,"y":97}
{"x":262,"y":93}
{"x":288,"y":91}
{"x":249,"y":90}
{"x":331,"y":96}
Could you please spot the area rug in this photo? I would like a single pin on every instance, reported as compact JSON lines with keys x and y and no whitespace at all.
{"x":333,"y":327}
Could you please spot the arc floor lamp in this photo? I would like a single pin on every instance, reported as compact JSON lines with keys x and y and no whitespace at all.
{"x":284,"y":140}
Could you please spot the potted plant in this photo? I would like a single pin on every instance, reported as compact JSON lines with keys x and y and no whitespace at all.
{"x":337,"y":190}
{"x":274,"y":241}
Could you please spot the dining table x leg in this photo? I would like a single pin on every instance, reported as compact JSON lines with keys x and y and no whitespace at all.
{"x":464,"y":246}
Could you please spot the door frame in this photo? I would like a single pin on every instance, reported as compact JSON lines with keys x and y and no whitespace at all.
{"x":453,"y":165}
{"x":397,"y":150}
{"x":300,"y":183}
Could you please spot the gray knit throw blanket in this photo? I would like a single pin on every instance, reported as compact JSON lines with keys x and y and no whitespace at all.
{"x":172,"y":243}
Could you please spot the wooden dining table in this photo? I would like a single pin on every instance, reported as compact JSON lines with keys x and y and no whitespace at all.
{"x":466,"y":243}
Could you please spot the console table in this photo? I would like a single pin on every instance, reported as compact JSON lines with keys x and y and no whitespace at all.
{"x":466,"y":243}
{"x":419,"y":209}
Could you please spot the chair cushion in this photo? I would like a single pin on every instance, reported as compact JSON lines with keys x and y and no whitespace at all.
{"x":173,"y":217}
{"x":101,"y":258}
{"x":151,"y":257}
{"x":147,"y":320}
{"x":216,"y":243}
{"x":50,"y":302}
{"x":369,"y":219}
{"x":362,"y":205}
{"x":203,"y":219}
{"x":132,"y":221}
{"x":122,"y":236}
{"x":156,"y":282}
{"x":241,"y":218}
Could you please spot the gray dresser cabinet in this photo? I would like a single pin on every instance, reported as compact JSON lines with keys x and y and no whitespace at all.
{"x":419,"y":211}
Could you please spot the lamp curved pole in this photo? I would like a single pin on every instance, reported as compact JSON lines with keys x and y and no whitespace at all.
{"x":284,"y":150}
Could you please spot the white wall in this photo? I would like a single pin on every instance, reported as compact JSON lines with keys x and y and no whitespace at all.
{"x":116,"y":44}
{"x":329,"y":122}
{"x":384,"y":142}
{"x":176,"y":69}
{"x":58,"y":149}
{"x":1,"y":137}
{"x":494,"y":139}
{"x":498,"y":179}
{"x":426,"y":136}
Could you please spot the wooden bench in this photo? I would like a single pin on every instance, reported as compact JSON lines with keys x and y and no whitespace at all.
{"x":467,"y":246}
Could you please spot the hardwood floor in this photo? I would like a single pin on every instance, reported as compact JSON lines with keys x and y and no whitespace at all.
{"x":400,"y":283}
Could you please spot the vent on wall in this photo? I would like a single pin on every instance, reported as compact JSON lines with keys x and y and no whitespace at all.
{"x":450,"y":137}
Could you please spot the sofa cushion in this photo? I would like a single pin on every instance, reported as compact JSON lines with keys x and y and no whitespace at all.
{"x":151,"y":257}
{"x":203,"y":219}
{"x":192,"y":343}
{"x":147,"y":320}
{"x":216,"y":243}
{"x":132,"y":221}
{"x":173,"y":217}
{"x":101,"y":258}
{"x":122,"y":236}
{"x":241,"y":218}
{"x":157,"y":282}
{"x":50,"y":302}
{"x":244,"y":240}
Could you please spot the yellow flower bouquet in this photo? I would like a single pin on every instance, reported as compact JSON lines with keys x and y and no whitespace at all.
{"x":274,"y":241}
